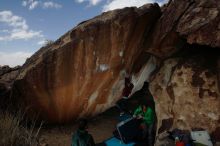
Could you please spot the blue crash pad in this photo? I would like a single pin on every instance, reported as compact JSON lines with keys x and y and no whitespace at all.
{"x":124,"y":117}
{"x":116,"y":142}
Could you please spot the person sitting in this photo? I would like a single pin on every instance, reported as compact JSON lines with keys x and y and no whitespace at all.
{"x":145,"y":113}
{"x":81,"y":137}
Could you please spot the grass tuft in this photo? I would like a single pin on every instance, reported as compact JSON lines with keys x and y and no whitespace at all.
{"x":13,"y":131}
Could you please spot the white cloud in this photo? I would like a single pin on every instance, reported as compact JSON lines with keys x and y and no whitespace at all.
{"x":92,"y":2}
{"x":80,"y":1}
{"x":116,"y":4}
{"x":24,"y":3}
{"x":24,"y":34}
{"x":14,"y":59}
{"x":19,"y":28}
{"x":12,"y":20}
{"x":50,"y":4}
{"x":42,"y":42}
{"x":4,"y":30}
{"x":32,"y":4}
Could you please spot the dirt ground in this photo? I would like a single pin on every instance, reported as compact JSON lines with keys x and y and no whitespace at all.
{"x":100,"y":127}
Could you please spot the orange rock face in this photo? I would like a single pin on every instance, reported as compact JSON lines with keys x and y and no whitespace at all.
{"x":82,"y":73}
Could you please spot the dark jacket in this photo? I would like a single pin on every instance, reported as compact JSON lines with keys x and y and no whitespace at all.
{"x":82,"y":138}
{"x":127,"y":87}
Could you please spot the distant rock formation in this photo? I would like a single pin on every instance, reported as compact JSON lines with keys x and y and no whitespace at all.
{"x":7,"y":78}
{"x":175,"y":48}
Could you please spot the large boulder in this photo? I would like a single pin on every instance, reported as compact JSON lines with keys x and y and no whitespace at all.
{"x":196,"y":21}
{"x":82,"y":73}
{"x":186,"y":86}
{"x":200,"y":23}
{"x":186,"y":91}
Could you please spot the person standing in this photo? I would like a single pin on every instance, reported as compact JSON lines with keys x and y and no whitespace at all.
{"x":81,"y":137}
{"x":146,"y":114}
{"x":122,"y":103}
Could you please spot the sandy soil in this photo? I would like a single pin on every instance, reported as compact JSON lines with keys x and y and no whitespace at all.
{"x":100,"y":127}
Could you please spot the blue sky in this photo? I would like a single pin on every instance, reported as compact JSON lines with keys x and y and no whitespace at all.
{"x":26,"y":24}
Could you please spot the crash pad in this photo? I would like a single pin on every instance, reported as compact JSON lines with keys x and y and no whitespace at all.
{"x":201,"y":137}
{"x":116,"y":142}
{"x":124,"y":117}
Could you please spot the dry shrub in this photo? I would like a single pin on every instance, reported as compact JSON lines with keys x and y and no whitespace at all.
{"x":15,"y":133}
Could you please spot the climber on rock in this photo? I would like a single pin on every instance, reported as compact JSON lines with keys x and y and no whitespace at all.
{"x":81,"y":137}
{"x":122,"y":103}
{"x":146,"y":114}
